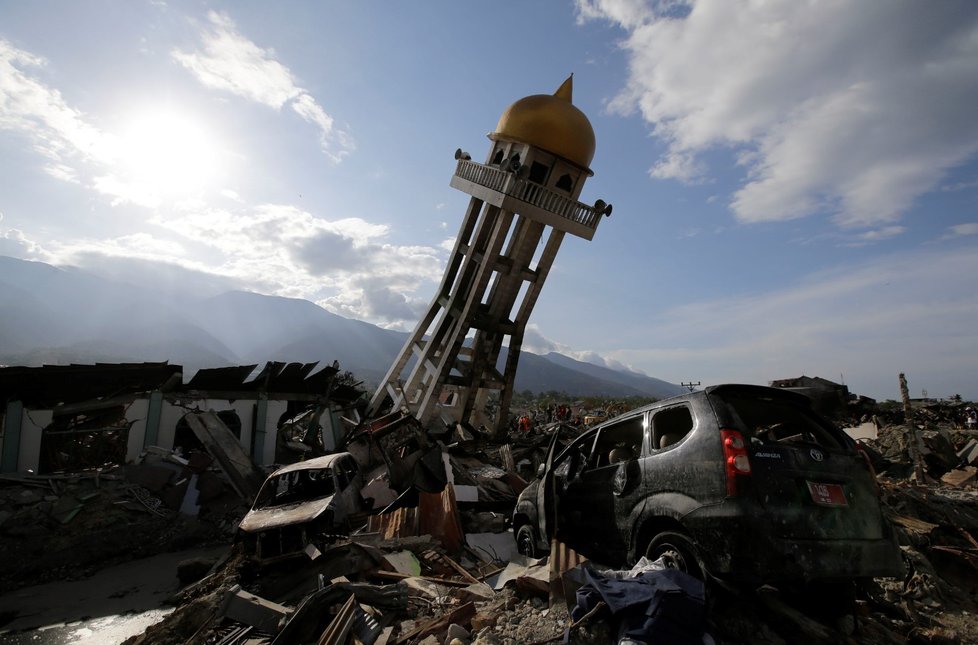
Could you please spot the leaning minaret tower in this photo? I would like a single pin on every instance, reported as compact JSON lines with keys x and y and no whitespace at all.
{"x":524,"y":199}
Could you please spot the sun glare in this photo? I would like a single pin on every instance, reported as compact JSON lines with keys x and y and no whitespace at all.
{"x":169,"y":154}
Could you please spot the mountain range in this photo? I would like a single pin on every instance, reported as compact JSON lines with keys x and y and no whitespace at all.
{"x":60,"y":315}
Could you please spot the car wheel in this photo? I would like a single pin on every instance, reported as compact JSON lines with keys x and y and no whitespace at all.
{"x":677,"y":552}
{"x":526,"y":543}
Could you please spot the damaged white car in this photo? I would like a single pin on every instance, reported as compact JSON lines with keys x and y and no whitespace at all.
{"x":303,"y":503}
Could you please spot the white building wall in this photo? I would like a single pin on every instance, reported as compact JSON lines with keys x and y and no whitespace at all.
{"x":275,"y":410}
{"x":34,"y":421}
{"x":172,"y":413}
{"x":243,"y":408}
{"x":169,"y":415}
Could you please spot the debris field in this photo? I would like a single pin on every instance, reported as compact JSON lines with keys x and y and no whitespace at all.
{"x":429,"y":556}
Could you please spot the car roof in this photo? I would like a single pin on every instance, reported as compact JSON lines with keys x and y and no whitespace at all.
{"x":312,"y":464}
{"x":723,"y":388}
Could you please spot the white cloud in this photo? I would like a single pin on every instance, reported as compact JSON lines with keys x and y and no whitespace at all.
{"x":628,"y":13}
{"x":534,"y":341}
{"x":875,"y":235}
{"x":62,"y":172}
{"x":964,"y":185}
{"x":123,"y":192}
{"x":233,"y":63}
{"x":851,"y":108}
{"x":381,"y":298}
{"x":15,"y":244}
{"x":345,"y":265}
{"x":961,"y":230}
{"x":28,"y":105}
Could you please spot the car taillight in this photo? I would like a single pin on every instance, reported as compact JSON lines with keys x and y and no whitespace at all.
{"x":735,"y":458}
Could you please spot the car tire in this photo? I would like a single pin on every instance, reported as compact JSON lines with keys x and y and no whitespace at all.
{"x":526,"y":542}
{"x":677,"y":552}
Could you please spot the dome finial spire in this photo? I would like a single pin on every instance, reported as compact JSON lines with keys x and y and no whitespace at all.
{"x":550,"y":122}
{"x":566,"y":89}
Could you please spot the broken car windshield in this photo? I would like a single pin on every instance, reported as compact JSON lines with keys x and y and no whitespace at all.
{"x":296,"y":486}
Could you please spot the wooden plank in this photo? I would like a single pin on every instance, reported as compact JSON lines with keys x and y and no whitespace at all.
{"x":339,"y":628}
{"x":461,"y":570}
{"x":506,"y":456}
{"x":394,"y":575}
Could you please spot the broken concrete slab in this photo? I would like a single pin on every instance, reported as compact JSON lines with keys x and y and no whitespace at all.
{"x":378,"y":489}
{"x":221,"y":444}
{"x":533,"y":572}
{"x":478,"y":592}
{"x":461,"y":615}
{"x":403,"y":562}
{"x":969,"y":453}
{"x":468,"y":494}
{"x":252,"y":610}
{"x":426,"y":587}
{"x":961,"y":477}
{"x":866,"y":430}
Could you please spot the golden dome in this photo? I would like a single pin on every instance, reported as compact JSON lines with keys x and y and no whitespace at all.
{"x":551,"y":123}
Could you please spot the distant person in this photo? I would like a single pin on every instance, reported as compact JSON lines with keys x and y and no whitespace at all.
{"x":971,"y":418}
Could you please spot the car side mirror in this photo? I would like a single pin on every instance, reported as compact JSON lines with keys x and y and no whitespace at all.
{"x":541,"y":469}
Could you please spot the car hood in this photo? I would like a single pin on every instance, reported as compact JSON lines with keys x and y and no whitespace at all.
{"x":272,"y":517}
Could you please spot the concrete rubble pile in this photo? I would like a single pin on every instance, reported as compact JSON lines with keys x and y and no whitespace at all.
{"x":431,"y":557}
{"x":60,"y":526}
{"x":439,"y":566}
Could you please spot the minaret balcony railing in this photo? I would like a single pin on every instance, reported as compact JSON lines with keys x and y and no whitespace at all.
{"x":511,"y":185}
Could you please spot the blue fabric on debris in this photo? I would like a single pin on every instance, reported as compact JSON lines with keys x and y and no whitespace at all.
{"x":666,"y":606}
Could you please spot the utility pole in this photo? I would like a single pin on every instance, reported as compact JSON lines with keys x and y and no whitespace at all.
{"x":912,"y":438}
{"x":692,"y":386}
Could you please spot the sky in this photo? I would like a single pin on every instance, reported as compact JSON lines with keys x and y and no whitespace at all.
{"x":795,"y":183}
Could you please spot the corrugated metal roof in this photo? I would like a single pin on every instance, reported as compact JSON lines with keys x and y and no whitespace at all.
{"x":221,"y":378}
{"x":51,"y":385}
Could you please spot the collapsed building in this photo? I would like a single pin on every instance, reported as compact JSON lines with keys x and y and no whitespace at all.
{"x":73,"y":417}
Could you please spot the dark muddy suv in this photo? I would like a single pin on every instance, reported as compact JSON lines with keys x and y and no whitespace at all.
{"x":742,"y":481}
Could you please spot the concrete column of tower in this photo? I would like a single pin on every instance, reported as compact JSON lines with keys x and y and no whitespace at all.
{"x":414,"y":347}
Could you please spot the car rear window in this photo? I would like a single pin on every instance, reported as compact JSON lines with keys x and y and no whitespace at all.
{"x":771,"y":420}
